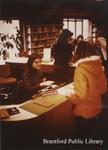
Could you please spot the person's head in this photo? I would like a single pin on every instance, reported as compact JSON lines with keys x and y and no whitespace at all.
{"x":34,"y":61}
{"x":101,"y":42}
{"x":83,"y":50}
{"x":65,"y":36}
{"x":79,"y":38}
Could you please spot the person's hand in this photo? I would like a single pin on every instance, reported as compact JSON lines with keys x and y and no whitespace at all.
{"x":44,"y":79}
{"x":46,"y":83}
{"x":4,"y":114}
{"x":68,"y":94}
{"x":42,"y":84}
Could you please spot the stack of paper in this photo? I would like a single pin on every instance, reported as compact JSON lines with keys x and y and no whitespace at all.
{"x":44,"y":101}
{"x":67,"y":90}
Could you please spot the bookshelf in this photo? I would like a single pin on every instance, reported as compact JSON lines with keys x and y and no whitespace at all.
{"x":39,"y":37}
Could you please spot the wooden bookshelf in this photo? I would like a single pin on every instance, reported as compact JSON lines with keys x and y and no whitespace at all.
{"x":39,"y":37}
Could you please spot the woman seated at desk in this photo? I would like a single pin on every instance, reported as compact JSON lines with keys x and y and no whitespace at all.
{"x":33,"y":77}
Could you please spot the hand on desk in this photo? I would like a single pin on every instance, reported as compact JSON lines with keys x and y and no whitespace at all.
{"x":46,"y":83}
{"x":4,"y":114}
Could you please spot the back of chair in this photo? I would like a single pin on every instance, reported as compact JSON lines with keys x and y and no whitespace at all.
{"x":5,"y":70}
{"x":20,"y":89}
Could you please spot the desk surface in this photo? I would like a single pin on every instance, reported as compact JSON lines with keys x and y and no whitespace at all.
{"x":23,"y":115}
{"x":42,"y":108}
{"x":17,"y":60}
{"x":23,"y":60}
{"x":31,"y":109}
{"x":58,"y":122}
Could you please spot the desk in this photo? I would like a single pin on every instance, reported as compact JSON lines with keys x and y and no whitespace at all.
{"x":23,"y":60}
{"x":28,"y":134}
{"x":2,"y":62}
{"x":20,"y":60}
{"x":52,"y":123}
{"x":40,"y":105}
{"x":56,"y":119}
{"x":57,"y":123}
{"x":23,"y":115}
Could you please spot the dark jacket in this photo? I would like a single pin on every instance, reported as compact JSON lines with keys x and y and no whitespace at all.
{"x":62,"y":53}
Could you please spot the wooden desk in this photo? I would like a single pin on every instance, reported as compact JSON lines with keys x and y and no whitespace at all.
{"x":54,"y":122}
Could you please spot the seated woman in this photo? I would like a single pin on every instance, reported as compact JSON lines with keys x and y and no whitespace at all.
{"x":89,"y":84}
{"x":33,"y":77}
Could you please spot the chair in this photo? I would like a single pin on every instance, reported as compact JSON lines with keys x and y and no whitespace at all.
{"x":7,"y":82}
{"x":20,"y":89}
{"x":21,"y":93}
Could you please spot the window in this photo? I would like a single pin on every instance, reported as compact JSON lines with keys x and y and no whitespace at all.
{"x":79,"y":26}
{"x":10,"y":39}
{"x":9,"y":30}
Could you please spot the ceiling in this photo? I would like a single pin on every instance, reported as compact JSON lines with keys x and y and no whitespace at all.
{"x":60,"y":8}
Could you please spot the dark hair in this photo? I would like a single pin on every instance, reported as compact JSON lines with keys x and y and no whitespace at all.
{"x":64,"y":35}
{"x":31,"y":59}
{"x":80,"y":36}
{"x":83,"y":50}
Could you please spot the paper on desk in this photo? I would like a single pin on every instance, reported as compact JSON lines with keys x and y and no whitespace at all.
{"x":67,"y":90}
{"x":44,"y":101}
{"x":32,"y":107}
